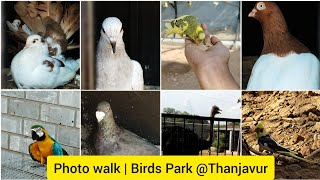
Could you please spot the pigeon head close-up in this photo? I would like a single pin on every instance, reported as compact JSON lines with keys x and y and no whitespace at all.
{"x":112,"y":31}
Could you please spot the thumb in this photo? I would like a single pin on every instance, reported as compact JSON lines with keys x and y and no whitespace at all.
{"x":214,"y":40}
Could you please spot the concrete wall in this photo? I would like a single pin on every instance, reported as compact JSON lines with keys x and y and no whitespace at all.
{"x":57,"y":111}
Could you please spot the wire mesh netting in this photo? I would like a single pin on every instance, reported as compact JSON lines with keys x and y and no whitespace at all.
{"x":22,"y":168}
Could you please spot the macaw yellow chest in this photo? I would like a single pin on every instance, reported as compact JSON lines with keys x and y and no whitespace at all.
{"x":45,"y":147}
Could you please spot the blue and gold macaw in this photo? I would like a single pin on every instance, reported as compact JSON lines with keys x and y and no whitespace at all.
{"x":44,"y":145}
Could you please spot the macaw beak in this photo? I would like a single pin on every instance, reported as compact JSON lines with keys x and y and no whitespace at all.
{"x":113,"y":45}
{"x":219,"y":111}
{"x":34,"y":135}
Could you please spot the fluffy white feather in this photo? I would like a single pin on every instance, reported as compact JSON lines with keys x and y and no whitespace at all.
{"x":27,"y":30}
{"x":33,"y":68}
{"x":115,"y":69}
{"x":292,"y":72}
{"x":14,"y":26}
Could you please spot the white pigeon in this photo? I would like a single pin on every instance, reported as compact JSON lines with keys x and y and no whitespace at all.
{"x":115,"y":69}
{"x":285,"y":62}
{"x":33,"y":68}
{"x":14,"y":26}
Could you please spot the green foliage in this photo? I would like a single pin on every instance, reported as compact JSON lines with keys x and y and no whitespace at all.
{"x":169,"y":110}
{"x":222,"y":138}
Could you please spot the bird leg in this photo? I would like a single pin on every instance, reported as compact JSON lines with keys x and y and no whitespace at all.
{"x":43,"y":160}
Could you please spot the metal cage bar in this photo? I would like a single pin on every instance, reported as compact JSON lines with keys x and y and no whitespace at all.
{"x":188,"y":124}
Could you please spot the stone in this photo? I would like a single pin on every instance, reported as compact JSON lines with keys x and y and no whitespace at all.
{"x":23,"y":108}
{"x":57,"y":114}
{"x":306,"y":150}
{"x":43,"y":96}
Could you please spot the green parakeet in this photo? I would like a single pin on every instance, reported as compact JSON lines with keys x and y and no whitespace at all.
{"x":186,"y":25}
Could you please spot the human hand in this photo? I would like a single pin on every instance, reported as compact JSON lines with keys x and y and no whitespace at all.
{"x":217,"y":53}
{"x":211,"y":65}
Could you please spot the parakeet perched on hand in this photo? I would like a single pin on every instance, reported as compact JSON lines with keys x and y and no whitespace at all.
{"x":266,"y":142}
{"x":186,"y":25}
{"x":44,"y":145}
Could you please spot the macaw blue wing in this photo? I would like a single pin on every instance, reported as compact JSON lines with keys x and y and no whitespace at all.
{"x":56,"y":148}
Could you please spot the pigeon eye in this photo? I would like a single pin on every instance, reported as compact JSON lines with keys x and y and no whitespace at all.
{"x":35,"y":40}
{"x":103,"y":30}
{"x":261,"y":6}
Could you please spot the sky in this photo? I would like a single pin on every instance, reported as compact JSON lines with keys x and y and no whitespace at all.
{"x":200,"y":102}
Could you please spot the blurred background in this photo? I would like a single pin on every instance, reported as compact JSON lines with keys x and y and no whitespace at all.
{"x":137,"y":112}
{"x":141,"y":37}
{"x":223,"y":20}
{"x":303,"y":20}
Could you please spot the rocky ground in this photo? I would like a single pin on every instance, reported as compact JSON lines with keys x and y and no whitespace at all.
{"x":293,"y":119}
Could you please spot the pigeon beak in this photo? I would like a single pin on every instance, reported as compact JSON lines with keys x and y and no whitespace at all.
{"x":253,"y":13}
{"x":113,"y":45}
{"x":100,"y":115}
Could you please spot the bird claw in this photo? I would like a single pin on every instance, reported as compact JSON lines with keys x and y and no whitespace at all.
{"x":38,"y":165}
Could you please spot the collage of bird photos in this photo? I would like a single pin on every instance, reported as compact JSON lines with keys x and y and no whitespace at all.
{"x":162,"y":78}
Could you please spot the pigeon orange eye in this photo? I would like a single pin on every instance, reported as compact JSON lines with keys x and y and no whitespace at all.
{"x":261,"y":6}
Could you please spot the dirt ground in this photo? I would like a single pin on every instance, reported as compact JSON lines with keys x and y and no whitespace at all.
{"x":176,"y":72}
{"x":293,"y":120}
